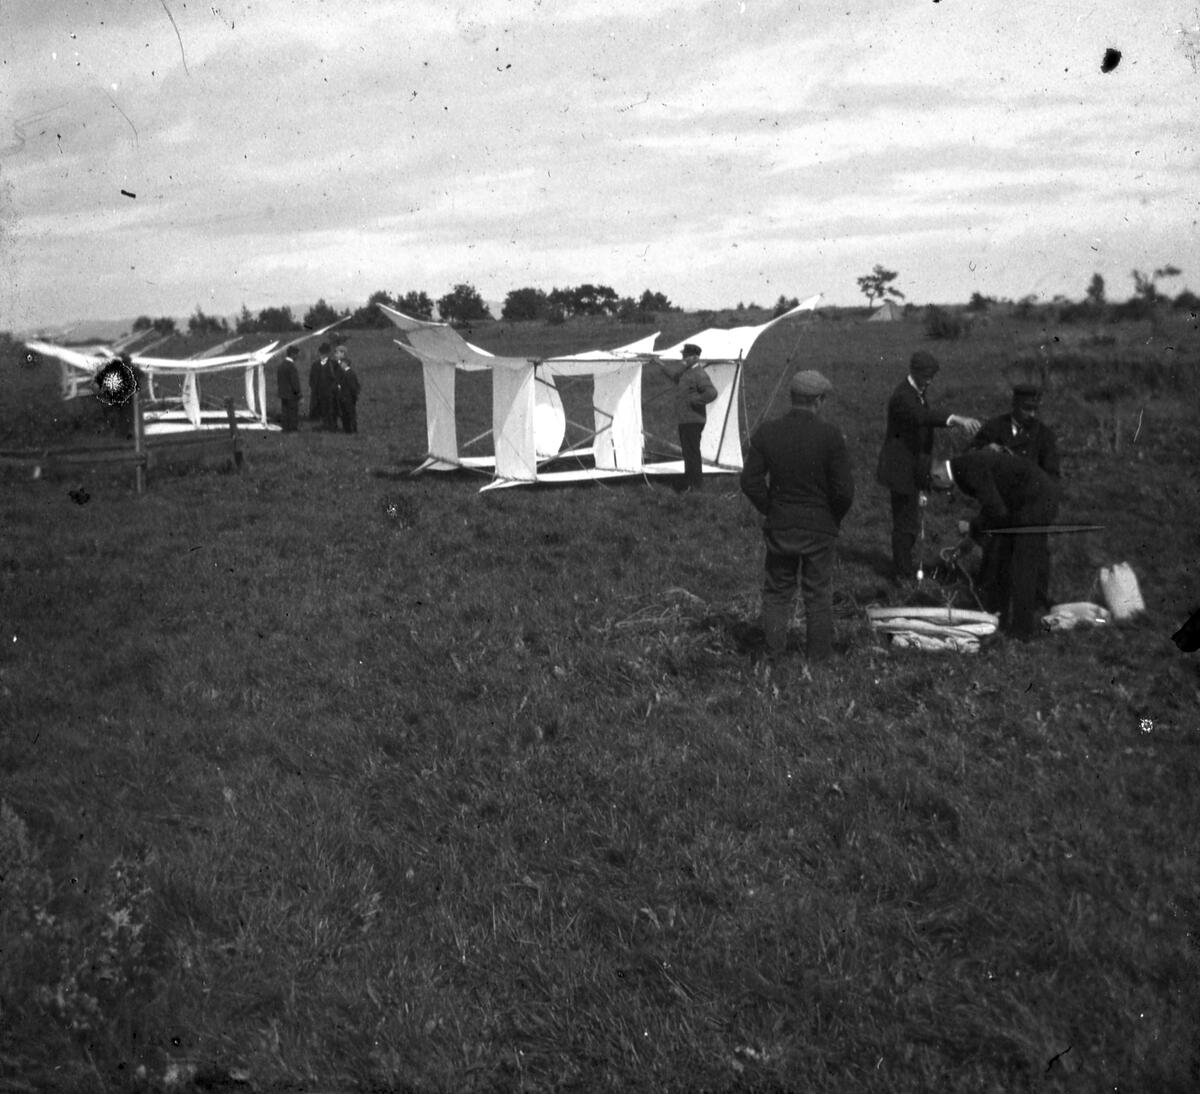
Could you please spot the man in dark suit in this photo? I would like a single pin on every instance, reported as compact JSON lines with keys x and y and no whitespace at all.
{"x":797,"y":474}
{"x":348,"y":387}
{"x":320,"y":384}
{"x":1023,"y":434}
{"x":1012,"y":493}
{"x":332,"y":400}
{"x":287,"y":377}
{"x":907,"y":453}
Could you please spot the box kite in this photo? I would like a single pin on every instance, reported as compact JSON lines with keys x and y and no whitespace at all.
{"x":529,"y":423}
{"x":186,"y":411}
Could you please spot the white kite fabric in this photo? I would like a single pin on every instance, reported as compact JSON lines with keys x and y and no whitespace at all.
{"x":528,"y":421}
{"x":184,"y":412}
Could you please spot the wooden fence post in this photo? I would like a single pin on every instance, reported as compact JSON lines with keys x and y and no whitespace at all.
{"x":237,"y":437}
{"x":138,"y":447}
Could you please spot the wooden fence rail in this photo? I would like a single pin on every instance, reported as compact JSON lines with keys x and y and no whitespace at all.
{"x":142,"y":455}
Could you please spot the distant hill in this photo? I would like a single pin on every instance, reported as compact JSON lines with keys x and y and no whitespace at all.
{"x":83,"y":330}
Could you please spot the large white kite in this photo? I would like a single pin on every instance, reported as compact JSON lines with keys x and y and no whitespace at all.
{"x":528,"y":420}
{"x":185,"y":411}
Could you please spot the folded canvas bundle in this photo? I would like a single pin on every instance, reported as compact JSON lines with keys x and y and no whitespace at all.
{"x":908,"y":640}
{"x":928,"y":628}
{"x":1065,"y":617}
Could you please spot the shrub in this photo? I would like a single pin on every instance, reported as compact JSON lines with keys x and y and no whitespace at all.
{"x":632,"y":311}
{"x":13,"y":352}
{"x":1083,"y":312}
{"x":940,"y":323}
{"x":1134,"y":309}
{"x":462,"y":305}
{"x":1107,"y":377}
{"x":522,"y":304}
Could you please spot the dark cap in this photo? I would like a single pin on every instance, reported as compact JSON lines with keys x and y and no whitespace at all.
{"x":323,"y":347}
{"x":923,"y":364}
{"x":690,"y":349}
{"x":809,"y":384}
{"x":1027,"y":393}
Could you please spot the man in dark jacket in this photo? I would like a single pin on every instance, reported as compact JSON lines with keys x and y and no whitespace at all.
{"x":287,"y":377}
{"x":348,"y":388}
{"x":907,"y":453}
{"x":332,"y":399}
{"x":693,"y":392}
{"x":320,"y":384}
{"x":1012,"y":493}
{"x":797,"y":474}
{"x":1023,"y":434}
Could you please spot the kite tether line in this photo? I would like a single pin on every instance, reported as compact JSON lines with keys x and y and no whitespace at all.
{"x":778,"y":383}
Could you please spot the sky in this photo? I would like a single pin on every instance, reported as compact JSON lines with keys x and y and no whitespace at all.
{"x":158,"y":156}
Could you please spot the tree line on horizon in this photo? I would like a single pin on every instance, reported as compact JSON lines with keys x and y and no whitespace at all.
{"x":464,"y":304}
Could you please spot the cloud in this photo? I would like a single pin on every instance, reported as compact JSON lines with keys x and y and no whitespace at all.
{"x":713,"y":150}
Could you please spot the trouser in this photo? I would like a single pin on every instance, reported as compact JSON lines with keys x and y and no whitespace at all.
{"x":995,"y":571}
{"x":1016,"y":567}
{"x":349,"y":417}
{"x":693,"y":467}
{"x":906,"y":526}
{"x":1041,"y":597}
{"x":811,"y":555}
{"x":1030,"y":560}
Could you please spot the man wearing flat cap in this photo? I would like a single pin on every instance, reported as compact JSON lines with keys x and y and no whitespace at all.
{"x":907,"y":455}
{"x":693,"y":392}
{"x":1022,"y":433}
{"x":797,"y":474}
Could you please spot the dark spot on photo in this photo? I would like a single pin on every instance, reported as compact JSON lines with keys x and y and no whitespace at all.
{"x":1112,"y":58}
{"x":115,"y":384}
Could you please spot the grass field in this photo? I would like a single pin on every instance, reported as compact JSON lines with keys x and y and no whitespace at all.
{"x":321,"y":777}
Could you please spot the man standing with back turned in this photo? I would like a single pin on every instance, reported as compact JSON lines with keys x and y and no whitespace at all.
{"x":907,"y":456}
{"x":797,"y":474}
